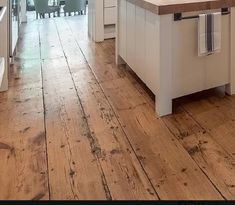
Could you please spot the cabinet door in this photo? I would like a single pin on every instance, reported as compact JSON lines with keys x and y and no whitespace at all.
{"x":122,"y":28}
{"x":131,"y":35}
{"x":218,"y":64}
{"x":140,"y":43}
{"x":188,"y":68}
{"x":110,"y":15}
{"x":152,"y":37}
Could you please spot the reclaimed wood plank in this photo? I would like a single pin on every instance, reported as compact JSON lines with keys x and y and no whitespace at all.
{"x":139,"y":124}
{"x":124,"y":174}
{"x":22,"y":137}
{"x":210,"y":156}
{"x":73,"y":169}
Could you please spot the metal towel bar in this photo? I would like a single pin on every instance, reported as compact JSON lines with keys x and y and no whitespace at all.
{"x":179,"y":17}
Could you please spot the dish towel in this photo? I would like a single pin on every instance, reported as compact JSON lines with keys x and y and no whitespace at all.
{"x":209,"y":34}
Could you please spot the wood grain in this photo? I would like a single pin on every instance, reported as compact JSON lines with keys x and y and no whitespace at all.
{"x":22,"y":137}
{"x":75,"y":126}
{"x":139,"y":123}
{"x":207,"y":152}
{"x":70,"y":152}
{"x":123,"y":172}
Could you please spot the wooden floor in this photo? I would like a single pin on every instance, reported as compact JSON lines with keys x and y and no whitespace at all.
{"x":75,"y":126}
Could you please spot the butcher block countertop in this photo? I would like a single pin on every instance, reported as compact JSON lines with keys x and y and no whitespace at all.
{"x":162,"y":7}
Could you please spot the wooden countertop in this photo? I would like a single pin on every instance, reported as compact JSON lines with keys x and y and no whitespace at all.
{"x":162,"y":7}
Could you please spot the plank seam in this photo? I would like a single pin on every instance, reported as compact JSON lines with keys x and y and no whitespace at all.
{"x":193,"y":159}
{"x":115,"y":116}
{"x":91,"y":139}
{"x":44,"y":115}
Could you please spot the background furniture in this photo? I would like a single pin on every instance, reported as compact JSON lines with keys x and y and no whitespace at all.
{"x":4,"y":51}
{"x":102,"y":17}
{"x":42,"y":8}
{"x":61,"y":2}
{"x":30,"y":5}
{"x":14,"y":24}
{"x":75,"y":6}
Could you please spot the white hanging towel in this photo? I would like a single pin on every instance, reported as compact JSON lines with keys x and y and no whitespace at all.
{"x":209,"y":34}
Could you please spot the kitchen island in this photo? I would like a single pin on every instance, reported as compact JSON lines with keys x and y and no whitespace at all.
{"x":158,"y":39}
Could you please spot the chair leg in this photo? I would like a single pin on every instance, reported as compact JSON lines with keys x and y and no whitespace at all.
{"x":49,"y":15}
{"x":36,"y":15}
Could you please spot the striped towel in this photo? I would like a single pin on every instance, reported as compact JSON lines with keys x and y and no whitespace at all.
{"x":209,"y":34}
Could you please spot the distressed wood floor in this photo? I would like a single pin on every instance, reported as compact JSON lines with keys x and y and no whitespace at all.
{"x":75,"y":126}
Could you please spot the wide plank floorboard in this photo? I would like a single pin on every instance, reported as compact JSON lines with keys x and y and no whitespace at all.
{"x":73,"y":125}
{"x":22,"y":137}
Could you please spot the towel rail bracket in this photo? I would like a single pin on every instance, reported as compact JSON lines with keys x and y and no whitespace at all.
{"x":179,"y":17}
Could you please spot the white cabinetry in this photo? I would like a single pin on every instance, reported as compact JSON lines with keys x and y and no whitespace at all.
{"x":4,"y":45}
{"x":102,"y":18}
{"x":164,"y":53}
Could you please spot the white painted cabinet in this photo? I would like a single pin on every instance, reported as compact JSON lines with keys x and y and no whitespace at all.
{"x":200,"y":73}
{"x":140,"y":48}
{"x":140,"y":62}
{"x":122,"y":30}
{"x":130,"y":38}
{"x":102,"y":18}
{"x":110,"y":3}
{"x":110,"y":16}
{"x":164,"y":53}
{"x":151,"y":40}
{"x":4,"y":46}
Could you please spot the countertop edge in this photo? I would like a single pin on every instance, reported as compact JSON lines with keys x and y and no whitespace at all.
{"x":186,"y":7}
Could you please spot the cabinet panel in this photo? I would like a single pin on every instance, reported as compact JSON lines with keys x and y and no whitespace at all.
{"x":151,"y":50}
{"x":130,"y":35}
{"x":110,"y":16}
{"x":122,"y":28}
{"x":218,"y":64}
{"x":110,"y":3}
{"x":140,"y":43}
{"x":199,"y":73}
{"x":188,"y":68}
